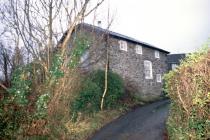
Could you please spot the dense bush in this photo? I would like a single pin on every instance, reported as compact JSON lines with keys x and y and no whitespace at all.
{"x":115,"y":86}
{"x":13,"y":106}
{"x":17,"y":108}
{"x":7,"y":123}
{"x":21,"y":85}
{"x":90,"y":95}
{"x":188,"y":86}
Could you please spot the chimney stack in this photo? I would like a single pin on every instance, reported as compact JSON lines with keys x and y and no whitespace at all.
{"x":99,"y":23}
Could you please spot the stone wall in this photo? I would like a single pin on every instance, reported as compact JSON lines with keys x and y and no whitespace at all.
{"x":128,"y":64}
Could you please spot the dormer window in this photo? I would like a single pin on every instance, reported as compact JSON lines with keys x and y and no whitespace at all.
{"x":138,"y":49}
{"x":157,"y":54}
{"x":123,"y":45}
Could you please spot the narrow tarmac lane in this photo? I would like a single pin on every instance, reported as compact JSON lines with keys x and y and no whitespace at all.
{"x":143,"y":123}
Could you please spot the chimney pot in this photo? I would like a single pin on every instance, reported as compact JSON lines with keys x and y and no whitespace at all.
{"x":99,"y":23}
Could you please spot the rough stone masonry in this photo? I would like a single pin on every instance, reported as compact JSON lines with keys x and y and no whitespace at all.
{"x":128,"y":64}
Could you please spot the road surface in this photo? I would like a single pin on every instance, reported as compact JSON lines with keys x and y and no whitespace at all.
{"x":143,"y":123}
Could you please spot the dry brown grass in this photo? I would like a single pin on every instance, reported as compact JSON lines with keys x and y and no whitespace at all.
{"x":87,"y":126}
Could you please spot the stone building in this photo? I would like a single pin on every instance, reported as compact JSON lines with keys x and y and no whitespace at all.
{"x":174,"y":60}
{"x":141,"y":65}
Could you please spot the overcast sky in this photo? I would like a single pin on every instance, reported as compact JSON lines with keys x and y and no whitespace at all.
{"x":178,"y":26}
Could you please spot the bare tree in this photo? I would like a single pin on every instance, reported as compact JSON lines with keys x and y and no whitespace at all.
{"x":5,"y":62}
{"x":38,"y":24}
{"x":110,"y":20}
{"x":17,"y":59}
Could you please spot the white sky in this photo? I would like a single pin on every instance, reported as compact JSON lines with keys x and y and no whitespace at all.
{"x":178,"y":26}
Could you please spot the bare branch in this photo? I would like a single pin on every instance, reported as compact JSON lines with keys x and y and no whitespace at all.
{"x":94,"y":8}
{"x":4,"y":87}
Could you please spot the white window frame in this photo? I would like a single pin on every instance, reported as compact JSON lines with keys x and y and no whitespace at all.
{"x":174,"y":66}
{"x":84,"y":57}
{"x":157,"y":54}
{"x":123,"y":45}
{"x":148,"y":69}
{"x":158,"y":78}
{"x":139,"y":49}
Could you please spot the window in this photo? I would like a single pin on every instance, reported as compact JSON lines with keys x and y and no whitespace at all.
{"x":138,"y":49}
{"x":123,"y":45}
{"x":84,"y":57}
{"x":173,"y":66}
{"x":158,"y":78}
{"x":157,"y":54}
{"x":148,"y":69}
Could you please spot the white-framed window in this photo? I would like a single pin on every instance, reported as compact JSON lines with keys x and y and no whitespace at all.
{"x":84,"y":57}
{"x":157,"y":54}
{"x":138,"y":49}
{"x":173,"y":66}
{"x":148,"y":69}
{"x":123,"y":45}
{"x":158,"y":78}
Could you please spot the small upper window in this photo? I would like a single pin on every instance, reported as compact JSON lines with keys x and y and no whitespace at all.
{"x":158,"y":78}
{"x":123,"y":45}
{"x":148,"y":69}
{"x":157,"y":54}
{"x":138,"y":49}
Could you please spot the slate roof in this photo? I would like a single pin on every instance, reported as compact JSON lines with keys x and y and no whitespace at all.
{"x":120,"y":36}
{"x":175,"y":58}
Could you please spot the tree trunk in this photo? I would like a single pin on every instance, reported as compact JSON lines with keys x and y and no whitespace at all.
{"x":106,"y":74}
{"x":5,"y":69}
{"x":50,"y":34}
{"x":3,"y":86}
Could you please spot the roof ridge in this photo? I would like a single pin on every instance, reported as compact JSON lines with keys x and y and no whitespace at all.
{"x":123,"y":36}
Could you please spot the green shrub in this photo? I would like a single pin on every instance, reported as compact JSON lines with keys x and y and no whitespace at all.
{"x":13,"y":106}
{"x":89,"y":98}
{"x":115,"y":87}
{"x":11,"y":117}
{"x":21,"y":85}
{"x":188,"y":88}
{"x":41,"y":106}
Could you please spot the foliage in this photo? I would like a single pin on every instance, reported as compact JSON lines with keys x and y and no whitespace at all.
{"x":41,"y":105}
{"x":41,"y":43}
{"x":6,"y":127}
{"x":21,"y":85}
{"x":82,"y":43}
{"x":188,"y":88}
{"x":115,"y":87}
{"x":89,"y":98}
{"x":53,"y":98}
{"x":13,"y":107}
{"x":55,"y":71}
{"x":10,"y":119}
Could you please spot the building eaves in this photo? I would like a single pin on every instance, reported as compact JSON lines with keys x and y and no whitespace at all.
{"x":120,"y":36}
{"x":175,"y":58}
